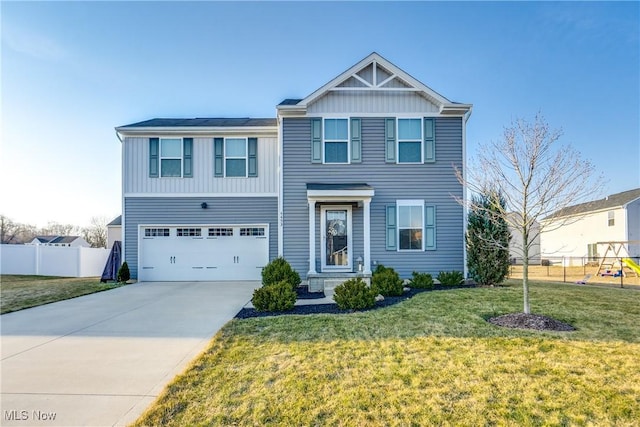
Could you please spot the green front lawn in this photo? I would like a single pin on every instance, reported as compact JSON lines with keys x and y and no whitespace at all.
{"x":431,"y":360}
{"x":20,"y":292}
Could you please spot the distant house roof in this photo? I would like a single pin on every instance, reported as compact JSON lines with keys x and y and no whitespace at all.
{"x":64,"y":239}
{"x":609,"y":202}
{"x":203,"y":122}
{"x":290,"y":101}
{"x":116,"y":221}
{"x":45,"y":239}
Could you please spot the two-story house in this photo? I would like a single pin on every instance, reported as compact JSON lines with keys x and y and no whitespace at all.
{"x":357,"y":173}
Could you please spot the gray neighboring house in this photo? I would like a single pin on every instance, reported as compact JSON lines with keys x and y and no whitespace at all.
{"x":358,"y":173}
{"x":61,"y":241}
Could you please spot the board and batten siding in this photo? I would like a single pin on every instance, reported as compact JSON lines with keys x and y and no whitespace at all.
{"x":188,"y":210}
{"x":137,"y":181}
{"x":372,"y":103}
{"x":435,"y":183}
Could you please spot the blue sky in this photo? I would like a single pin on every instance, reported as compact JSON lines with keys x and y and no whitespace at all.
{"x":72,"y":71}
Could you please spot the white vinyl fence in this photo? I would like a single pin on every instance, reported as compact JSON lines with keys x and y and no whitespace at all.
{"x":52,"y":260}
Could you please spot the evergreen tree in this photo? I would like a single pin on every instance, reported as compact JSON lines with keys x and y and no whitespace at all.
{"x":488,"y":239}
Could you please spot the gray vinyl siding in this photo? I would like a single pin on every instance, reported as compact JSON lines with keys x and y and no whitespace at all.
{"x":137,"y":180}
{"x":433,"y":182}
{"x":187,"y":210}
{"x":633,"y":228}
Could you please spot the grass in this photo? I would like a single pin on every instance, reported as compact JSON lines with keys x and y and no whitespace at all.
{"x":431,"y":360}
{"x":20,"y":292}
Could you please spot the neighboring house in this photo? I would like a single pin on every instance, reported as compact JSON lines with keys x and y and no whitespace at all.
{"x":69,"y":241}
{"x":616,"y":218}
{"x":357,"y":173}
{"x":114,"y":231}
{"x":516,"y":252}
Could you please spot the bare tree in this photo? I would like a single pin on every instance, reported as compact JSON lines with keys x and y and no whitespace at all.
{"x":9,"y":230}
{"x":537,"y":178}
{"x":96,"y":233}
{"x":57,"y":229}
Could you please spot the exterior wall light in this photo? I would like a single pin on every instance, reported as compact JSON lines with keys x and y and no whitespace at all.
{"x":204,"y":205}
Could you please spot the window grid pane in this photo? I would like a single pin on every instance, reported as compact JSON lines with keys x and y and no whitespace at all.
{"x":236,"y":168}
{"x":336,"y":152}
{"x":236,"y":147}
{"x":409,"y":129}
{"x":171,"y":147}
{"x":171,"y":167}
{"x":410,"y":225}
{"x":186,"y":232}
{"x":336,"y":129}
{"x":220,"y":231}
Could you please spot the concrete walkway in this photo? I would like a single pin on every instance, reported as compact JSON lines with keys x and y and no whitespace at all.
{"x":102,"y":359}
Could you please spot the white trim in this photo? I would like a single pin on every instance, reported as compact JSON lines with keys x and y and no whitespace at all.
{"x":366,"y":232}
{"x":331,"y":195}
{"x":192,"y":195}
{"x":380,"y":89}
{"x":280,"y":189}
{"x":415,"y":202}
{"x":123,"y":204}
{"x":312,"y":237}
{"x":323,"y":237}
{"x":186,"y":131}
{"x":465,"y":213}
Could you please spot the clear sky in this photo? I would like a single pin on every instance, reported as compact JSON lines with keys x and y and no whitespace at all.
{"x":72,"y":71}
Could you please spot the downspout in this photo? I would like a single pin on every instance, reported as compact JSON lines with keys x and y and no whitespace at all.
{"x":280,"y":188}
{"x":122,"y":218}
{"x":464,"y":192}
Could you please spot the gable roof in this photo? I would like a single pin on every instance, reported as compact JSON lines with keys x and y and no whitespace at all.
{"x":56,"y":239}
{"x":612,"y":201}
{"x":375,"y":73}
{"x":45,"y":239}
{"x":116,"y":221}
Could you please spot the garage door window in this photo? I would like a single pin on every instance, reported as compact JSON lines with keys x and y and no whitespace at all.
{"x":257,"y":231}
{"x":156,"y":232}
{"x":189,"y":232}
{"x":215,"y":232}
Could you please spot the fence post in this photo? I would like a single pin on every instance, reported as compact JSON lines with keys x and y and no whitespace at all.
{"x":621,"y":274}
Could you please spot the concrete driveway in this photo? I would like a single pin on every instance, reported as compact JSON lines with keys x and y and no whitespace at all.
{"x":102,"y":359}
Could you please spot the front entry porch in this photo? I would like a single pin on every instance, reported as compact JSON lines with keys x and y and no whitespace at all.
{"x":333,"y":256}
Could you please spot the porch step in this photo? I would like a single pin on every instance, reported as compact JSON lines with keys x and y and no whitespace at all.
{"x":327,"y":282}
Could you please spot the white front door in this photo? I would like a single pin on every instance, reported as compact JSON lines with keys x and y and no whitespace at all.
{"x":337,"y":252}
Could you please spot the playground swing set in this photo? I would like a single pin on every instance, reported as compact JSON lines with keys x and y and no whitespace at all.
{"x":616,"y":261}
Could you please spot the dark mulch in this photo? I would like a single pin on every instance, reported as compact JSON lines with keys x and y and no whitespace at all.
{"x":303,"y":293}
{"x":530,"y":321}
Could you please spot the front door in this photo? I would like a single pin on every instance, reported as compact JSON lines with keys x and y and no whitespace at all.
{"x":337,"y":252}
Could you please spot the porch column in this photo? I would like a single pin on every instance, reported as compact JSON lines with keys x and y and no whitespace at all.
{"x":312,"y":237}
{"x":367,"y":238}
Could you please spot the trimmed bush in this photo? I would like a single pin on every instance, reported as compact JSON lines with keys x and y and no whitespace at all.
{"x":421,"y":280}
{"x":354,"y":294}
{"x":387,"y":282}
{"x":450,"y":278}
{"x":274,"y":297}
{"x":123,"y":273}
{"x":279,"y":270}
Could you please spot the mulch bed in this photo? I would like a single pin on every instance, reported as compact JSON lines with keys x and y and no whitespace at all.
{"x":303,"y":293}
{"x":530,"y":321}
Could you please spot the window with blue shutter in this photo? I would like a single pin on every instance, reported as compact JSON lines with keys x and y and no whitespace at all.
{"x":218,"y":154}
{"x":187,"y":158}
{"x":391,"y":238}
{"x":356,"y":141}
{"x":154,"y":157}
{"x":430,"y":227}
{"x":390,"y":140}
{"x":429,"y":140}
{"x":253,"y":157}
{"x":316,"y":140}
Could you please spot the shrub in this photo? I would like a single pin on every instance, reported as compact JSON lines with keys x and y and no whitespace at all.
{"x":381,"y":269}
{"x":279,"y":270}
{"x":123,"y":273}
{"x":354,"y":294}
{"x":450,"y":278}
{"x":421,"y":280}
{"x":386,"y":282}
{"x":274,"y":297}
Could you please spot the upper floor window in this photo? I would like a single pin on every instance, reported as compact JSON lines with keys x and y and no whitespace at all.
{"x":409,"y":140}
{"x":611,"y":218}
{"x":171,"y":157}
{"x":235,"y":157}
{"x":336,"y":141}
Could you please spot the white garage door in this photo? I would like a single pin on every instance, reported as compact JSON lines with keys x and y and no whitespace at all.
{"x":199,"y":253}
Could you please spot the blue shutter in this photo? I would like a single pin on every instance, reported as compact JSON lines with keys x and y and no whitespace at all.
{"x":154,"y":158}
{"x":429,"y":140}
{"x":253,"y":157}
{"x":391,"y":228}
{"x":316,"y":140}
{"x":430,"y":227}
{"x":187,"y":157}
{"x":356,"y":141}
{"x":218,"y":153}
{"x":390,"y":140}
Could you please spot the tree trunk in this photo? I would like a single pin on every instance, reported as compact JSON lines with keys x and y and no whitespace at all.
{"x":525,"y":269}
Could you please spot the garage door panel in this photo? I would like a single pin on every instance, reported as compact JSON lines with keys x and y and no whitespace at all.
{"x":197,"y":253}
